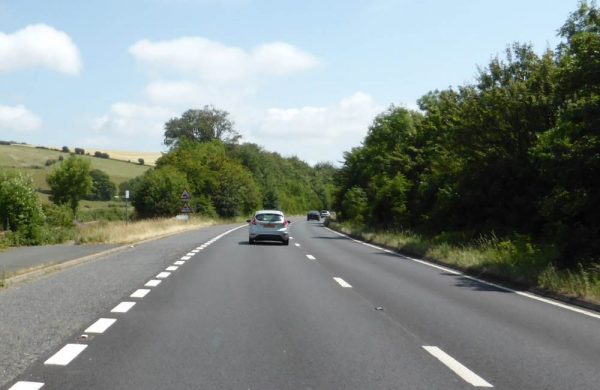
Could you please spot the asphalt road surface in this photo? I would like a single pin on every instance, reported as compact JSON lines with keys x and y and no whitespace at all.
{"x":325,"y":312}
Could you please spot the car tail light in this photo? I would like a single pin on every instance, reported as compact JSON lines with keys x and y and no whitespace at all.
{"x":285,"y":222}
{"x":253,"y":221}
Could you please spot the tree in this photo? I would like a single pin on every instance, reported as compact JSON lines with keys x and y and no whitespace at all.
{"x":70,"y":182}
{"x":102,"y":187}
{"x":158,"y":192}
{"x":20,"y":209}
{"x":205,"y":125}
{"x":141,"y":161}
{"x":569,"y":154}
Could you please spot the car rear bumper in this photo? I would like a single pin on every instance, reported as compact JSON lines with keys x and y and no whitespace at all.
{"x":270,"y":237}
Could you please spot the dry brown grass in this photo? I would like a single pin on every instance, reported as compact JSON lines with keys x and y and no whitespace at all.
{"x":149,"y":157}
{"x":119,"y":233}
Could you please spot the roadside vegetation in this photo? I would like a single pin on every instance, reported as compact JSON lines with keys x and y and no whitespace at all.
{"x":500,"y":176}
{"x":82,"y":199}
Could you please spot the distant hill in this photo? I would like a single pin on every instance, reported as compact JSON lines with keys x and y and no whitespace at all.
{"x":33,"y":161}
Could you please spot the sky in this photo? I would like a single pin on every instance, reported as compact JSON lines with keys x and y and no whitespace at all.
{"x":303,"y":78}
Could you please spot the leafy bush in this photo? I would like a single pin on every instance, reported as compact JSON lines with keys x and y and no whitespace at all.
{"x":20,"y":210}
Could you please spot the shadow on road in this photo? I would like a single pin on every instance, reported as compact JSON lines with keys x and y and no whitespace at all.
{"x":262,"y":243}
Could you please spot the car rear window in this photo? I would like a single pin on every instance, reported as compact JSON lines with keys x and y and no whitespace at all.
{"x":269,"y":217}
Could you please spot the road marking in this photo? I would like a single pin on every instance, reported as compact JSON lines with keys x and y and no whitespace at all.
{"x":454,"y":272}
{"x":191,"y":254}
{"x":100,"y":326}
{"x":342,"y":282}
{"x":163,"y":275}
{"x":195,"y":251}
{"x":291,"y":238}
{"x":152,"y":283}
{"x":297,"y":244}
{"x":459,"y":369}
{"x":172,"y":268}
{"x":66,"y":354}
{"x":123,"y":307}
{"x":179,"y":262}
{"x":186,"y":257}
{"x":22,"y":385}
{"x":140,"y":293}
{"x":311,"y":257}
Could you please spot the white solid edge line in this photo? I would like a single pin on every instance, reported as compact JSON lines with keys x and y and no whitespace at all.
{"x":123,"y":307}
{"x":152,"y":283}
{"x":23,"y":385}
{"x":163,"y":275}
{"x":100,"y":326}
{"x":311,"y":257}
{"x":521,"y":293}
{"x":459,"y":369}
{"x":342,"y":282}
{"x":179,"y":262}
{"x":172,"y":268}
{"x":66,"y":354}
{"x":140,"y":293}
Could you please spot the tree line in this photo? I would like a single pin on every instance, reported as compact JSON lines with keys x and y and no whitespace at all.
{"x":515,"y":152}
{"x":225,"y":178}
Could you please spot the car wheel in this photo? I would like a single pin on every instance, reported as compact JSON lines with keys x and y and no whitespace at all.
{"x":251,"y":241}
{"x":286,"y":242}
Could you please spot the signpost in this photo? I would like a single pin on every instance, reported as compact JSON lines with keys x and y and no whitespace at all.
{"x":186,"y":209}
{"x":126,"y":199}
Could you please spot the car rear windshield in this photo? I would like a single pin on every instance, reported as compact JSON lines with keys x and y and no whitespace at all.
{"x":269,"y":217}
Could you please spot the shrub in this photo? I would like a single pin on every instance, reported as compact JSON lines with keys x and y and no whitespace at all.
{"x":20,"y":209}
{"x":141,"y":161}
{"x":65,"y":149}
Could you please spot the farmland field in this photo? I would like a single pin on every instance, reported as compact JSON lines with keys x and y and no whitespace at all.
{"x":32,"y":160}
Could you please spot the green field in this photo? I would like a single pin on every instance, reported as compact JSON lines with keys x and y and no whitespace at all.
{"x":31,"y":160}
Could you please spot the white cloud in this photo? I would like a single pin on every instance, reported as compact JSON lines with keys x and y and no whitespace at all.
{"x":317,"y":133}
{"x":18,"y":119}
{"x":39,"y":45}
{"x":216,"y":62}
{"x":129,"y":124}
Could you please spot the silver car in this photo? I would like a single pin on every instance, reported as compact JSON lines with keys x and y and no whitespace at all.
{"x":269,"y":225}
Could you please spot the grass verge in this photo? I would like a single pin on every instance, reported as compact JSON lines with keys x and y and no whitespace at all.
{"x":119,"y":233}
{"x":515,"y":260}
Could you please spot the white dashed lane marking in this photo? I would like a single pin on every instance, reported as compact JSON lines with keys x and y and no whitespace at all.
{"x":123,"y":307}
{"x":152,"y":283}
{"x":140,"y":293}
{"x":22,"y":385}
{"x":66,"y":354}
{"x":101,"y":325}
{"x":311,"y":257}
{"x":191,"y":254}
{"x":179,"y":262}
{"x":163,"y":275}
{"x":297,"y":244}
{"x":186,"y":257}
{"x":459,"y":369}
{"x":172,"y":268}
{"x":342,"y":282}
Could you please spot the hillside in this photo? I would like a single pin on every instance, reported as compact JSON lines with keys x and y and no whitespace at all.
{"x":32,"y":160}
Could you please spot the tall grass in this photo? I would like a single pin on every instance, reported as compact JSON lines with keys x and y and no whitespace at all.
{"x":515,"y":259}
{"x":119,"y":232}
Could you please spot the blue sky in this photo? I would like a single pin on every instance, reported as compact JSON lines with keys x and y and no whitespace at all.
{"x":301,"y":78}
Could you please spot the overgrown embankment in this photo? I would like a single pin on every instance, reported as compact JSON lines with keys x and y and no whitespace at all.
{"x":515,"y":260}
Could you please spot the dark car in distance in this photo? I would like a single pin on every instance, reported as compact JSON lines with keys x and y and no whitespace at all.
{"x":313,"y":214}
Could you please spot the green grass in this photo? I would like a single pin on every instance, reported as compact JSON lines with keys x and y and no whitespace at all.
{"x":516,"y":259}
{"x":31,"y":160}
